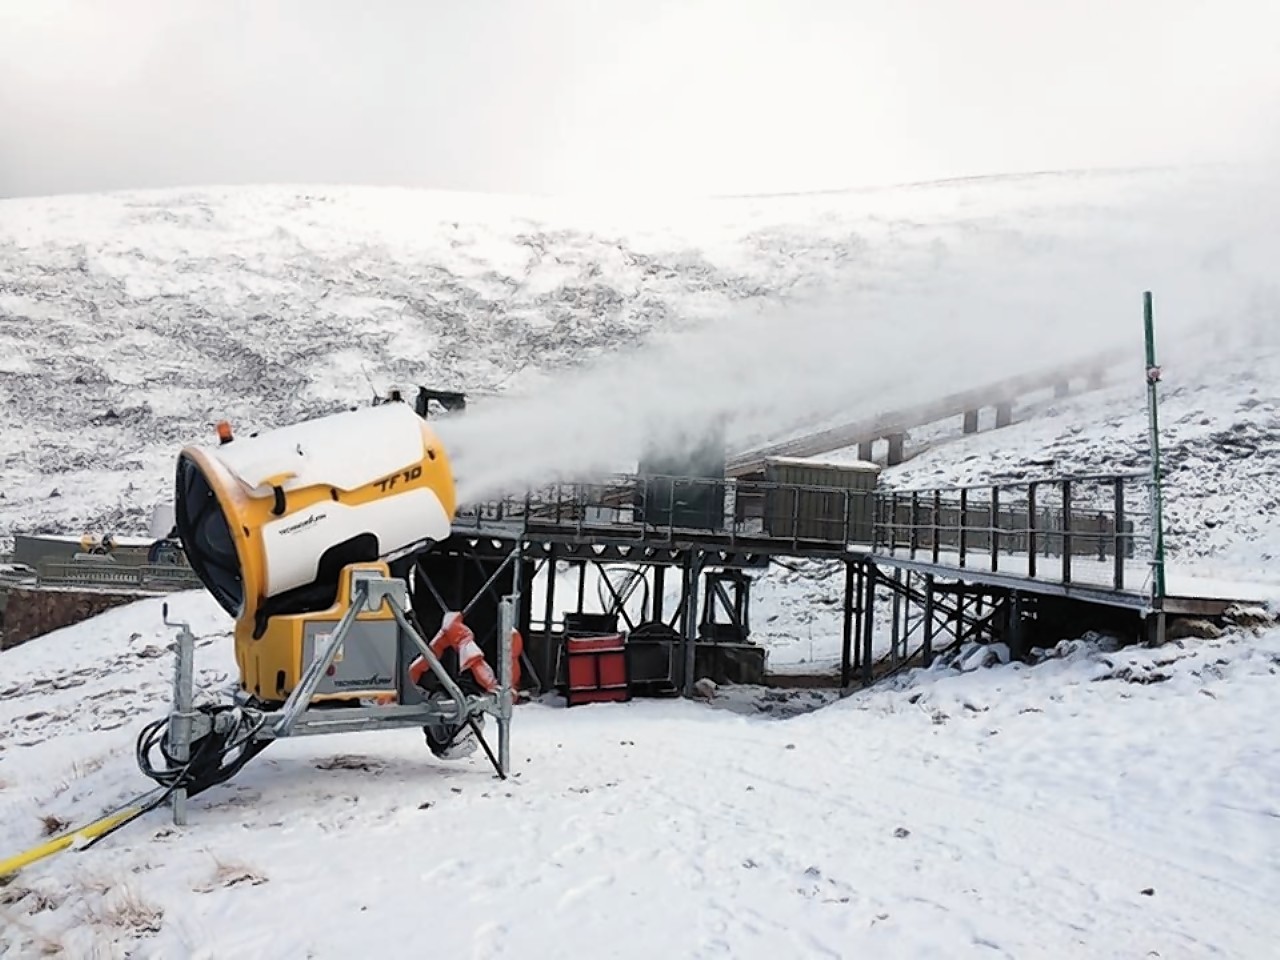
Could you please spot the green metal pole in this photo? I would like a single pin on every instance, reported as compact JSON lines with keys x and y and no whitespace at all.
{"x":1157,"y":494}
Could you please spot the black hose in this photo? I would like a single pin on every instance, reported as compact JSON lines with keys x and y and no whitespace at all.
{"x":208,"y":764}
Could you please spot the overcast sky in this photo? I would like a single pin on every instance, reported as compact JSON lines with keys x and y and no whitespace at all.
{"x":560,"y":96}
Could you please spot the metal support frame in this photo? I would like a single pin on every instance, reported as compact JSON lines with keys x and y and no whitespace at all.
{"x":895,"y":655}
{"x":552,"y":568}
{"x":855,"y":611}
{"x":510,"y":558}
{"x":870,"y":576}
{"x":1153,"y":417}
{"x":857,"y":652}
{"x":846,"y":644}
{"x":1014,"y":636}
{"x":182,"y":715}
{"x":717,"y":597}
{"x":617,"y":600}
{"x":370,"y":592}
{"x":506,"y":627}
{"x":1158,"y":590}
{"x":513,"y":555}
{"x":693,"y":574}
{"x":926,"y":649}
{"x":920,"y":605}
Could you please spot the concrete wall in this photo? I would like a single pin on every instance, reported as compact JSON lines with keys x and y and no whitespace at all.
{"x":31,"y":611}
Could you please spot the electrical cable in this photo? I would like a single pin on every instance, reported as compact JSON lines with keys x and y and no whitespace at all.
{"x":208,"y":764}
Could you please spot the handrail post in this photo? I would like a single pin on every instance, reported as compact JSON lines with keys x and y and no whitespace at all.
{"x":795,"y":516}
{"x":893,"y":522}
{"x":1157,"y":492}
{"x":1118,"y":535}
{"x":671,"y":510}
{"x":964,"y":523}
{"x":915,"y":523}
{"x":731,"y":516}
{"x":1031,"y":530}
{"x":846,"y":632}
{"x":937,"y":524}
{"x":995,"y":528}
{"x":1066,"y":531}
{"x":871,"y":573}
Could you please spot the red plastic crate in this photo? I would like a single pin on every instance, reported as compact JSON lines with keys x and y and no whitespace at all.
{"x":597,"y":668}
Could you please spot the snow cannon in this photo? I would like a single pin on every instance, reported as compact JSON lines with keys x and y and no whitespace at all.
{"x":276,"y":524}
{"x":293,"y":531}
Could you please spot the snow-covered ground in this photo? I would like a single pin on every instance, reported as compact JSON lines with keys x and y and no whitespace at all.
{"x":1101,"y":803}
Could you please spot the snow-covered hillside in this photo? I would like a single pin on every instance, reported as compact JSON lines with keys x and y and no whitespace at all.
{"x":1099,"y":804}
{"x":130,"y":323}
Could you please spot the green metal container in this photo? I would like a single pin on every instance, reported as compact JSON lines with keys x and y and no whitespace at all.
{"x":828,"y":502}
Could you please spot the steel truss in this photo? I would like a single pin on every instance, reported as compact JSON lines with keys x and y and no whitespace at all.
{"x":928,"y":616}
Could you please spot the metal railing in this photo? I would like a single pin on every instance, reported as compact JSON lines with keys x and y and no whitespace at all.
{"x":154,"y":577}
{"x":1092,"y":530}
{"x":669,"y":510}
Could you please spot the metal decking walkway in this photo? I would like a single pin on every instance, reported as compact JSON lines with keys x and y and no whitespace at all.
{"x":1086,"y":538}
{"x":1083,"y":537}
{"x":1017,"y":562}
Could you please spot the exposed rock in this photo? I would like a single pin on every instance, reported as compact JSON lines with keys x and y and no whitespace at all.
{"x":1182,"y":628}
{"x":1250,"y":617}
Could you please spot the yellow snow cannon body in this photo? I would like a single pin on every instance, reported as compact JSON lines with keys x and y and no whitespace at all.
{"x":276,"y":524}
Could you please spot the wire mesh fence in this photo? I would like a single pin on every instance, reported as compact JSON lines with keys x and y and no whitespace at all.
{"x":1093,"y":530}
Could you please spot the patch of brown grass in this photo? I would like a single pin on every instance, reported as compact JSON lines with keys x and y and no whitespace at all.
{"x":53,"y":824}
{"x":125,"y":909}
{"x":230,"y":874}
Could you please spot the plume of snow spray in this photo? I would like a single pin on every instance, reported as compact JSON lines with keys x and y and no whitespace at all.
{"x":919,"y":315}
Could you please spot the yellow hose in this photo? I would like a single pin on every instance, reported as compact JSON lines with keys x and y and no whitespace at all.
{"x":100,"y":826}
